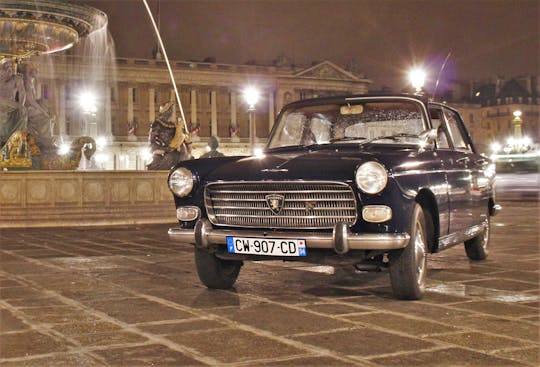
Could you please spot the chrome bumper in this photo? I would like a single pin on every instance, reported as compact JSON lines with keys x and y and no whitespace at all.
{"x":341,"y":239}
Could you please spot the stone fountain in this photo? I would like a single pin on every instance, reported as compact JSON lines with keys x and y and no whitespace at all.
{"x":31,"y":28}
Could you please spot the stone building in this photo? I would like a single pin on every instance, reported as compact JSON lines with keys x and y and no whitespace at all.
{"x":211,"y":96}
{"x":488,"y":109}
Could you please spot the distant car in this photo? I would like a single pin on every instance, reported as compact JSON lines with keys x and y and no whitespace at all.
{"x":365,"y":180}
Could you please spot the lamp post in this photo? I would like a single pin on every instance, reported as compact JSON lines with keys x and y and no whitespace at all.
{"x":417,"y":77}
{"x":251,"y":96}
{"x":516,"y":122}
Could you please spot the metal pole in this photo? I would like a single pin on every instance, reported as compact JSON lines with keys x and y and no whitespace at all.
{"x":252,"y":132}
{"x":167,"y":62}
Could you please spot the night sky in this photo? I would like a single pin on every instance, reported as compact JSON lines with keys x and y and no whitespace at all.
{"x":384,"y":38}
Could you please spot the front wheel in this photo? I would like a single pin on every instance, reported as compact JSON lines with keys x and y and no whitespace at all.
{"x":408,"y":266}
{"x":214,"y":272}
{"x":477,"y":247}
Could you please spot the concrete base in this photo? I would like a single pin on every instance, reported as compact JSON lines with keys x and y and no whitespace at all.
{"x":84,"y":198}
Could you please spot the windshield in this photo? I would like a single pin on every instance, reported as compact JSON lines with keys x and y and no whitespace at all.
{"x":391,"y":121}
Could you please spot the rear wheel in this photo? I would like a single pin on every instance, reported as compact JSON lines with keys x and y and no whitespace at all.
{"x":477,"y":247}
{"x":214,"y":272}
{"x":408,"y":266}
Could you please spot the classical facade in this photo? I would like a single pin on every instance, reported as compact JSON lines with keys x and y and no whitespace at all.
{"x":127,"y":99}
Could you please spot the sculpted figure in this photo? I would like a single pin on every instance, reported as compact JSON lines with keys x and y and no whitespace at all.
{"x":213,"y":144}
{"x":13,"y":115}
{"x":168,"y":142}
{"x":39,"y":120}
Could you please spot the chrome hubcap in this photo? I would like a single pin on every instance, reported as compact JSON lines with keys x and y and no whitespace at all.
{"x":420,"y":256}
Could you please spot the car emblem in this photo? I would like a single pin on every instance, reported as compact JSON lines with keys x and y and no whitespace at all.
{"x":275,"y":202}
{"x":309,"y":205}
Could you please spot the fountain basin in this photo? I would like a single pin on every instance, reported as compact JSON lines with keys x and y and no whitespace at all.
{"x":44,"y":26}
{"x":84,"y":198}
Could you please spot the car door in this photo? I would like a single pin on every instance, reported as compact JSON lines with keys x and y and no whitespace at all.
{"x":462,"y":174}
{"x":455,"y":164}
{"x":477,"y":166}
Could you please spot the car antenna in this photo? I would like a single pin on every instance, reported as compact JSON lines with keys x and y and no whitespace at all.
{"x":439,"y":76}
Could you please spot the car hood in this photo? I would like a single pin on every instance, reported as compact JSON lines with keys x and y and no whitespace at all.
{"x":308,"y":164}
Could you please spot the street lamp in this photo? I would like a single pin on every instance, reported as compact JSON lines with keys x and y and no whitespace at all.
{"x":516,"y":122}
{"x":88,"y":105}
{"x":417,"y":77}
{"x":251,"y":96}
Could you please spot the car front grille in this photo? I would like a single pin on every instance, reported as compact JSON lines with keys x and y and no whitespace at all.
{"x":307,"y":205}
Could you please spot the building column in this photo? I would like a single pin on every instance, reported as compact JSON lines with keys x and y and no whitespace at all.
{"x":61,"y":95}
{"x":213,"y":106}
{"x":234,"y":131}
{"x":129,"y":106}
{"x":271,"y":113}
{"x":172,"y":98}
{"x":193,"y":105}
{"x":151,"y":104}
{"x":107,"y":112}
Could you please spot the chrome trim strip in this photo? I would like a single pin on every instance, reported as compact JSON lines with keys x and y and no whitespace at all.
{"x":423,"y":172}
{"x":351,"y":241}
{"x":459,"y":237}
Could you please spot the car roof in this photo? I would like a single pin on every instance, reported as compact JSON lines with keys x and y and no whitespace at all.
{"x":350,"y":97}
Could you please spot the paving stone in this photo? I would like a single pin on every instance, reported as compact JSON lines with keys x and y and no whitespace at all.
{"x":146,"y":355}
{"x":503,"y":284}
{"x":135,"y":310}
{"x":530,"y":355}
{"x":57,"y":315}
{"x":28,"y":343}
{"x":335,"y":309}
{"x":83,"y":328}
{"x":417,"y":327}
{"x":56,"y":360}
{"x":505,"y":327}
{"x":281,"y":320}
{"x":234,"y":346}
{"x":9,"y":322}
{"x":308,"y":361}
{"x":481,"y":342}
{"x":181,"y":327}
{"x":445,"y":357}
{"x":498,"y":308}
{"x":364,"y":341}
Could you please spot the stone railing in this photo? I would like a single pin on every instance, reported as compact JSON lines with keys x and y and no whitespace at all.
{"x":84,"y":198}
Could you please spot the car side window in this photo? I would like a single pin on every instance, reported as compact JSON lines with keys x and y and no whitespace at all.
{"x":436,"y":122}
{"x":456,"y":134}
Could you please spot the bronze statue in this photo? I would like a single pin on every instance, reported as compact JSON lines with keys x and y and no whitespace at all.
{"x":39,"y":120}
{"x":168,"y":141}
{"x":13,"y":114}
{"x":213,"y":144}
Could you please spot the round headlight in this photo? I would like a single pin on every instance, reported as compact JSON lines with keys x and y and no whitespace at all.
{"x":371,"y":177}
{"x":181,"y":181}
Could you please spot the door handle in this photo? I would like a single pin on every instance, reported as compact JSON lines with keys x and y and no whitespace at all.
{"x":462,"y":160}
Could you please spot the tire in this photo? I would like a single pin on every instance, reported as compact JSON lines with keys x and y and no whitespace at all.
{"x":214,"y":272}
{"x":477,"y":247}
{"x":408,"y":266}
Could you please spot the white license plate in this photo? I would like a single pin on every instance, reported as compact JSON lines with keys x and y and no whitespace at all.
{"x":266,"y":246}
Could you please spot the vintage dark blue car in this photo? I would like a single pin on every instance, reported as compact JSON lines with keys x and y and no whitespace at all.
{"x":364,"y":180}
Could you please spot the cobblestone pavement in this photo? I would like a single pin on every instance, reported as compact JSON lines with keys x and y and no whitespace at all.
{"x":130,"y":297}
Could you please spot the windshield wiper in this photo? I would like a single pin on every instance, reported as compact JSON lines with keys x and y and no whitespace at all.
{"x":347,"y":138}
{"x":394,"y":137}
